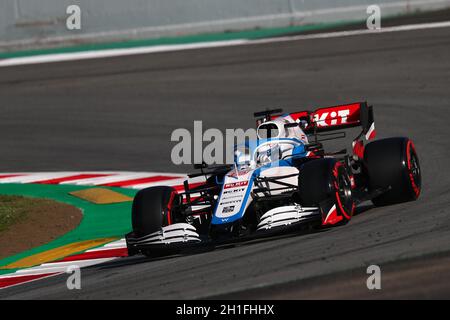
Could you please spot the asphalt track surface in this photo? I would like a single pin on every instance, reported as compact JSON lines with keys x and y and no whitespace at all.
{"x":119,"y":114}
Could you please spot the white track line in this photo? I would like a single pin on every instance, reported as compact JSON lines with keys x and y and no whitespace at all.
{"x":60,"y":57}
{"x":17,"y":275}
{"x":29,"y":178}
{"x":340,"y":34}
{"x":97,"y":180}
{"x":170,"y":183}
{"x":124,"y":178}
{"x":111,"y":177}
{"x":117,"y":179}
{"x":61,"y":266}
{"x":116,"y":244}
{"x":174,"y":182}
{"x":106,"y":248}
{"x":28,"y":281}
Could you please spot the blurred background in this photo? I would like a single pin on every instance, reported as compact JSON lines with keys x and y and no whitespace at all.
{"x":30,"y":23}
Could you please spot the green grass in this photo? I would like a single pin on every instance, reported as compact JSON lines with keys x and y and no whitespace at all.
{"x":14,"y":209}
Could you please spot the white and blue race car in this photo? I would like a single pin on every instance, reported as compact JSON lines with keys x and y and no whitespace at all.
{"x":283,"y":182}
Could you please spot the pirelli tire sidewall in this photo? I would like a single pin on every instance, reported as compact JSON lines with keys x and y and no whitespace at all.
{"x":392,"y":164}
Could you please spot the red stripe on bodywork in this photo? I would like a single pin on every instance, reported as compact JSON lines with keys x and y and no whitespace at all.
{"x":358,"y":149}
{"x":372,"y":135}
{"x":99,"y":254}
{"x":139,"y":181}
{"x":11,"y":281}
{"x":72,"y":178}
{"x":332,"y":218}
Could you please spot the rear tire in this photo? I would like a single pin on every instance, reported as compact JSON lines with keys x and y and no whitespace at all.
{"x":151,"y":210}
{"x":393,"y":164}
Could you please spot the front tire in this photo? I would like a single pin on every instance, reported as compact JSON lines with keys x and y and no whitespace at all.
{"x":326,"y":183}
{"x":151,"y":210}
{"x":392,"y":164}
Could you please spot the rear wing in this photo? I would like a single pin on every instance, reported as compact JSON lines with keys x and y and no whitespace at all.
{"x":337,"y":118}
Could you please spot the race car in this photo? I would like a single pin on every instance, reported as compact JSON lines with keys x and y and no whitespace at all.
{"x":283,"y":182}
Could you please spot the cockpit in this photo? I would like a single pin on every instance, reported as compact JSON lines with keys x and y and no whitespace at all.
{"x":275,"y":142}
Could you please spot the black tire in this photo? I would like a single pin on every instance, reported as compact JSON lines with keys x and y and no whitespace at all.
{"x":150,"y":210}
{"x":392,"y":163}
{"x":326,"y":180}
